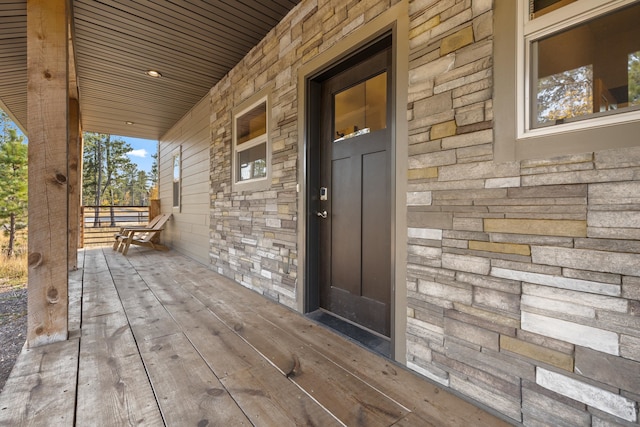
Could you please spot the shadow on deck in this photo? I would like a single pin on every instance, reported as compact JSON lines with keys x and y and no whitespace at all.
{"x":158,"y":339}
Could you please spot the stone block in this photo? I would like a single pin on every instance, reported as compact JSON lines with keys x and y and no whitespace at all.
{"x":619,"y":158}
{"x":441,"y":158}
{"x":424,"y":233}
{"x":563,"y":242}
{"x":588,"y":394}
{"x":471,"y":264}
{"x":547,"y":342}
{"x":508,"y":406}
{"x":631,"y":288}
{"x":615,"y":193}
{"x":566,"y":228}
{"x":556,"y":307}
{"x":422,"y":173}
{"x":579,"y":177}
{"x":551,"y":411}
{"x":481,"y":170}
{"x":584,"y":259}
{"x":433,"y":105}
{"x":613,"y":233}
{"x":598,"y":302}
{"x":469,"y":114}
{"x":592,"y":276}
{"x":471,"y":333}
{"x":487,"y":380}
{"x":468,"y":139}
{"x":537,"y":352}
{"x":495,"y":299}
{"x":479,"y":7}
{"x":498,"y":284}
{"x":443,"y":130}
{"x":615,"y":371}
{"x":488,"y":316}
{"x":614,"y":219}
{"x":431,"y":372}
{"x":419,"y":198}
{"x":557,"y":281}
{"x":630,"y":347}
{"x":432,"y":220}
{"x":609,"y":245}
{"x":502,"y":182}
{"x":483,"y":26}
{"x":467,"y":224}
{"x":424,"y":251}
{"x":587,"y":336}
{"x":431,"y":69}
{"x":504,"y":248}
{"x":461,"y":294}
{"x":551,"y":191}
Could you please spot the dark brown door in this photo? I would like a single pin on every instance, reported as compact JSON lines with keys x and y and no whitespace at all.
{"x":354,"y":205}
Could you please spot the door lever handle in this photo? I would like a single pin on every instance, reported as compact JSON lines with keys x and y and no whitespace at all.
{"x":322,"y":214}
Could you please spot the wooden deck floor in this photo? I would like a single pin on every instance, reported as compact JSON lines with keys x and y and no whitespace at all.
{"x":158,"y":339}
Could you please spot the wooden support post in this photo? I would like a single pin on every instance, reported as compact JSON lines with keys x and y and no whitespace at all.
{"x":75,"y":182}
{"x":47,"y":113}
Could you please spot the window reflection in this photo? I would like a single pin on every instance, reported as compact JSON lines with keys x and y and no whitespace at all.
{"x":590,"y":69}
{"x":361,"y":109}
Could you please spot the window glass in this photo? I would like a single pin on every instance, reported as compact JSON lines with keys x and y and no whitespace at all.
{"x":589,"y":70}
{"x":176,"y":180}
{"x":361,"y":109}
{"x":252,"y":124}
{"x":252,"y":163}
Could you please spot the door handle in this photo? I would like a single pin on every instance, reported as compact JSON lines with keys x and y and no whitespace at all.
{"x":322,"y":214}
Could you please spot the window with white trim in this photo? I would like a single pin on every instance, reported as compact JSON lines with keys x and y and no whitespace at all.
{"x":251,"y":148}
{"x":177,"y":178}
{"x":581,"y":64}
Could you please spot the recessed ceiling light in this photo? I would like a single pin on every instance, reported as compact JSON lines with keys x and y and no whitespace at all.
{"x":128,"y":123}
{"x":153,"y":73}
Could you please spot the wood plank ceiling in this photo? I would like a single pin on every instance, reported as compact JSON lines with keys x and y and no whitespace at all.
{"x":192,"y":43}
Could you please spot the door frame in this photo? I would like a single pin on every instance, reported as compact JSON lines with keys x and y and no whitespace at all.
{"x":393,"y":22}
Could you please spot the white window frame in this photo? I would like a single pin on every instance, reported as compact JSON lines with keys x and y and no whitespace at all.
{"x":255,"y":184}
{"x":176,"y":156}
{"x":530,"y":30}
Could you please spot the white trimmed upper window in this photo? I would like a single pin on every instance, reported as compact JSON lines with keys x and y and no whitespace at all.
{"x":581,"y":65}
{"x":251,"y":148}
{"x":177,"y":178}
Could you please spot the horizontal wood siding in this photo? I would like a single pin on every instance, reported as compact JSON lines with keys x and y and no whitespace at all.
{"x":188,"y":232}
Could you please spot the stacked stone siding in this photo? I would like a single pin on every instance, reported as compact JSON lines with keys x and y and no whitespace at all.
{"x":523,"y":278}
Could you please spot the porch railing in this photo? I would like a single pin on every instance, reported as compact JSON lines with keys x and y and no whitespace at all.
{"x":99,"y":223}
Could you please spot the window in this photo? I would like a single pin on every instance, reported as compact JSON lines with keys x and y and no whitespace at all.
{"x":582,"y":61}
{"x":251,"y":150}
{"x":361,"y":109}
{"x":177,"y":171}
{"x":571,"y":81}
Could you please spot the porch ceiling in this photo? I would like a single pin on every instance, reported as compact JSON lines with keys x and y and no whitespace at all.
{"x":193,"y":44}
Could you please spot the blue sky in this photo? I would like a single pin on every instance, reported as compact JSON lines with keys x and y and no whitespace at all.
{"x":143,"y":149}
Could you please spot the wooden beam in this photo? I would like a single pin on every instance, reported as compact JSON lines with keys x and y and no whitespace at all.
{"x":75,"y":182}
{"x":47,"y":113}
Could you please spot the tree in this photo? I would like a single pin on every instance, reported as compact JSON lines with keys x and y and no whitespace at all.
{"x":106,"y":168}
{"x":634,"y":78}
{"x":13,"y":179}
{"x":566,"y":94}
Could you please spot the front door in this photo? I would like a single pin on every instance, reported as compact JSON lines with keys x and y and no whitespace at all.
{"x":353,"y":207}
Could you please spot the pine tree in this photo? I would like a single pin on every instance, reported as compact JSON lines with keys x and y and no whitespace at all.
{"x":13,"y":180}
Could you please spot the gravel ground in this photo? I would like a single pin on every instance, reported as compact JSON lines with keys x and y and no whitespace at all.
{"x":13,"y":328}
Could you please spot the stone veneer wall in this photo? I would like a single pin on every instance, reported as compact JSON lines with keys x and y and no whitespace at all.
{"x":253,"y":234}
{"x":523,"y":278}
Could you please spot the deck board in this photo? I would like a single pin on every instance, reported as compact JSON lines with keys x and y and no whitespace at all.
{"x":164,"y":340}
{"x":41,"y":387}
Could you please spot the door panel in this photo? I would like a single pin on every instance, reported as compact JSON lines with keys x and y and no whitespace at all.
{"x":355,"y":237}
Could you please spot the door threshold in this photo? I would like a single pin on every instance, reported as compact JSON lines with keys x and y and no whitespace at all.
{"x":366,"y":338}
